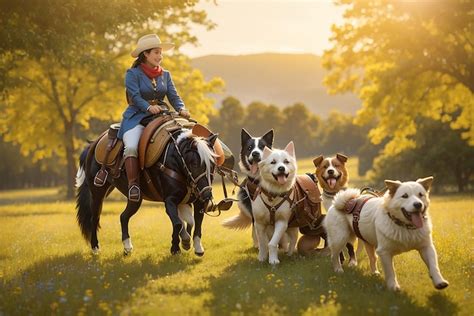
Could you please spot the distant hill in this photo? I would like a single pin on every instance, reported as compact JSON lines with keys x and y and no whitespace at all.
{"x":280,"y":79}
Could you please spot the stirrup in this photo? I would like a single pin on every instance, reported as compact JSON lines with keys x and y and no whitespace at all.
{"x":100,"y":177}
{"x":134,"y":196}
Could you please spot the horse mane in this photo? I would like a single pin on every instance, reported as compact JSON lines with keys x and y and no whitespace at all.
{"x":206,"y":154}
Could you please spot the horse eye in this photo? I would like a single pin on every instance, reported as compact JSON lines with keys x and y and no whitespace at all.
{"x":405,"y":196}
{"x":273,"y":162}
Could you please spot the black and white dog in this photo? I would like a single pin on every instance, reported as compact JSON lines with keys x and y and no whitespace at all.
{"x":251,"y":153}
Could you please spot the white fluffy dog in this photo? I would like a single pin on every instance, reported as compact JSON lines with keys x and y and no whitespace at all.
{"x":272,"y":205}
{"x":392,"y":224}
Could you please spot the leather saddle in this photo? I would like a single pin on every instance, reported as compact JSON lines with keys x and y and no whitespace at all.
{"x":307,"y":213}
{"x":153,"y":141}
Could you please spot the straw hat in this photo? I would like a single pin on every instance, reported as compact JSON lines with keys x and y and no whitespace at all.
{"x":148,"y":42}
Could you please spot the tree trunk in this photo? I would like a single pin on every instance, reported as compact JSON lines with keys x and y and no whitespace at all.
{"x":71,"y":162}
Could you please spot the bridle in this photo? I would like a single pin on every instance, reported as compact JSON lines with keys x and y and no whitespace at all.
{"x":193,"y":181}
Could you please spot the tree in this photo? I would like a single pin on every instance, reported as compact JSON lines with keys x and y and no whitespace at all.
{"x":260,"y":118}
{"x":62,"y":64}
{"x":440,"y":152}
{"x":301,"y":126}
{"x":228,"y":123}
{"x":339,"y":134}
{"x":405,"y":59}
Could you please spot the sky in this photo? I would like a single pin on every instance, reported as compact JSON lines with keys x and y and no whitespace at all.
{"x":260,"y":26}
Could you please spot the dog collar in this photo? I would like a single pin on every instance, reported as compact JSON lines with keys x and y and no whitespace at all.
{"x":329,"y":194}
{"x":401,"y":223}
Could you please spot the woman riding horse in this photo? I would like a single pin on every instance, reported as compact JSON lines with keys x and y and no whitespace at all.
{"x":183,"y":175}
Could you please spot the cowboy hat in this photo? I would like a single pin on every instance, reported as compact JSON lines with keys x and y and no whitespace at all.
{"x":148,"y":42}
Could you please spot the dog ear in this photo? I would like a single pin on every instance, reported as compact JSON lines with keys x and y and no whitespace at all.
{"x":266,"y":152}
{"x":290,"y":148}
{"x":317,"y":161}
{"x":392,"y":186}
{"x":212,"y":139}
{"x":245,"y":137}
{"x":268,"y":138}
{"x":342,"y":158}
{"x":426,"y":182}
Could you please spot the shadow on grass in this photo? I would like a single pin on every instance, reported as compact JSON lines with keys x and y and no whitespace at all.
{"x":77,"y":283}
{"x":300,"y":285}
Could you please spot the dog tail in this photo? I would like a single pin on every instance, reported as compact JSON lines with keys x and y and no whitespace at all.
{"x":239,"y":222}
{"x":343,"y":197}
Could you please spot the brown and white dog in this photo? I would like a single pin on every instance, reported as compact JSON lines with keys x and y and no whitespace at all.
{"x":332,"y":176}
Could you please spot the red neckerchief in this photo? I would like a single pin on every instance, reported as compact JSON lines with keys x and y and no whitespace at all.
{"x":151,"y":72}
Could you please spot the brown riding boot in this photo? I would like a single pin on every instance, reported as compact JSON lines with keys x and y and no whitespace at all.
{"x":131,"y":166}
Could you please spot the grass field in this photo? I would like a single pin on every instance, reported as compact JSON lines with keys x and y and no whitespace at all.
{"x":47,"y":268}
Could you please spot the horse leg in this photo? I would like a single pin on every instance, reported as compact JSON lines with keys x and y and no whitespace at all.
{"x":130,"y":210}
{"x":171,"y":206}
{"x":97,"y":199}
{"x":185,"y":213}
{"x":198,"y":218}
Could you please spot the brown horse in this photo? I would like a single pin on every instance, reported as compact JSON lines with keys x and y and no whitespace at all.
{"x":190,"y":162}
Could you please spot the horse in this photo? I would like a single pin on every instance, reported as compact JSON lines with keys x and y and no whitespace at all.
{"x":186,"y":169}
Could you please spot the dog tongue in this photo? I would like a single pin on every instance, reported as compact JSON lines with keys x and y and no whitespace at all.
{"x":254,"y":168}
{"x":281,"y":179}
{"x":417,"y":219}
{"x":332,"y":183}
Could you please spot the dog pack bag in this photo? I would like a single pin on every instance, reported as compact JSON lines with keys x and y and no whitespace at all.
{"x":307,"y":212}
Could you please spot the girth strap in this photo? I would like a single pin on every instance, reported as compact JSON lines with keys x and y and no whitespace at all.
{"x":171,"y":173}
{"x":354,"y":207}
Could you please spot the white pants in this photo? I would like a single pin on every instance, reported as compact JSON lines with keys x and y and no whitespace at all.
{"x":131,"y":139}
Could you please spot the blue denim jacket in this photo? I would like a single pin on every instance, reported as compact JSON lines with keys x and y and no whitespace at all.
{"x":140,"y":91}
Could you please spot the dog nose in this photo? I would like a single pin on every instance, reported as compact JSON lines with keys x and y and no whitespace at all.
{"x":417,"y":205}
{"x":330,"y":171}
{"x":255,"y":154}
{"x":281,"y":169}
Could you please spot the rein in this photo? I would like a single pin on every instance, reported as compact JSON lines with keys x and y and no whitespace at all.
{"x":194,"y":181}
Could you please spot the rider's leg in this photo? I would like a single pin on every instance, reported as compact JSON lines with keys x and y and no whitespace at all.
{"x":130,"y":140}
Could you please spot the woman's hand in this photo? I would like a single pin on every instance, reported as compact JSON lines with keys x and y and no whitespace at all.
{"x":184,"y":113}
{"x":154,"y":109}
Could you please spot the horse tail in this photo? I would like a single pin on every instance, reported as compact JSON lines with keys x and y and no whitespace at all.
{"x":83,"y":198}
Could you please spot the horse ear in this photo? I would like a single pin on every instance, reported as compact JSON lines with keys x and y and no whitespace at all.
{"x":268,"y":138}
{"x":290,"y":148}
{"x":245,"y":137}
{"x":317,"y":161}
{"x":212,"y":139}
{"x":266,"y":152}
{"x":342,"y":158}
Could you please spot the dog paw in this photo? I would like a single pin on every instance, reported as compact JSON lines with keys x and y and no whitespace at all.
{"x":441,"y":285}
{"x":394,"y":287}
{"x":274,"y":261}
{"x":339,"y":270}
{"x":262,"y":258}
{"x":352,"y":263}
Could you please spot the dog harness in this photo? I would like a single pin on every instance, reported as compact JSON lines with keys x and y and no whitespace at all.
{"x":272,"y":209}
{"x":354,"y":206}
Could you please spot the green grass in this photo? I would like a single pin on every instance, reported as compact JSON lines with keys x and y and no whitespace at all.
{"x":46,"y":267}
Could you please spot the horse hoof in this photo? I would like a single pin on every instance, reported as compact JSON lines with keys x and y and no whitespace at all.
{"x":95,"y":251}
{"x":199,"y":254}
{"x":186,"y":244}
{"x":127,"y":252}
{"x":175,"y":251}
